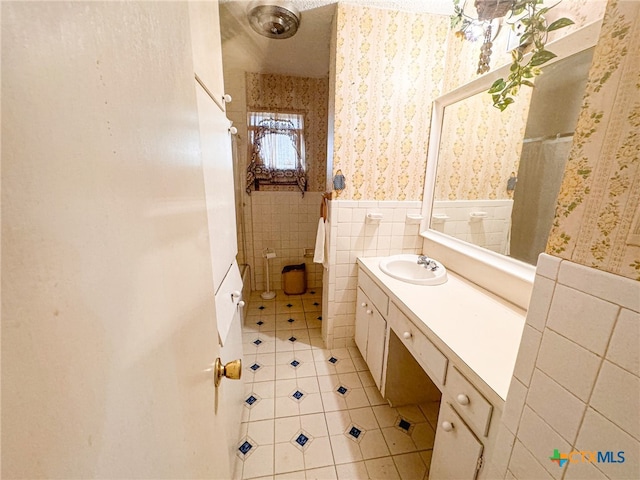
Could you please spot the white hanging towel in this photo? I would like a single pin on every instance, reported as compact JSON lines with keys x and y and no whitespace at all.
{"x":318,"y":255}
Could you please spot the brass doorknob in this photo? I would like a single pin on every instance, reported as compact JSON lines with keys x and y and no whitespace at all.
{"x":232,"y":370}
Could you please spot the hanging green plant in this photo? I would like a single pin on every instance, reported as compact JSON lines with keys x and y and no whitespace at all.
{"x":536,"y":33}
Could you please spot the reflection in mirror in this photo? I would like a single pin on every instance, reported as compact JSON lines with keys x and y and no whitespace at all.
{"x":499,"y":173}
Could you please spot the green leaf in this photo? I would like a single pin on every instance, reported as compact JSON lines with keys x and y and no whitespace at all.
{"x":497,"y":86}
{"x":527,"y":83}
{"x":560,"y":23}
{"x":541,"y":56}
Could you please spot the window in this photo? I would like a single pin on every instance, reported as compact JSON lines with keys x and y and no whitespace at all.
{"x":276,"y":149}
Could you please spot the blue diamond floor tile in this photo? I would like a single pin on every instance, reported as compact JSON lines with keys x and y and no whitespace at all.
{"x":245,"y":447}
{"x":292,"y":339}
{"x":403,"y":424}
{"x":255,"y":367}
{"x":297,"y":395}
{"x":355,"y":432}
{"x":342,"y":390}
{"x":302,"y":439}
{"x":257,"y":341}
{"x":294,"y":363}
{"x":333,"y":360}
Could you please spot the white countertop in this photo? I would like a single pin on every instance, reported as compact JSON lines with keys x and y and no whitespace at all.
{"x":483,"y":330}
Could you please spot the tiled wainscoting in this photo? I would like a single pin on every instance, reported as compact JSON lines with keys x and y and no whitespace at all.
{"x":576,"y":383}
{"x":314,"y":413}
{"x":460,"y":219}
{"x":351,"y":236}
{"x":288,"y":223}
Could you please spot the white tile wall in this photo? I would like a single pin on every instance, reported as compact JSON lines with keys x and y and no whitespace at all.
{"x":584,"y":393}
{"x":529,"y":346}
{"x":288,"y":223}
{"x":491,"y":232}
{"x":543,"y":291}
{"x":539,"y":438}
{"x":623,"y":349}
{"x":599,"y":434}
{"x":513,"y":408}
{"x":582,"y":318}
{"x":556,"y":405}
{"x":352,"y":237}
{"x":619,"y":407}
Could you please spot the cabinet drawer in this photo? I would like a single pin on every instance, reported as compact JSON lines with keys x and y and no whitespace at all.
{"x":375,"y":293}
{"x":469,"y":402}
{"x":432,"y":360}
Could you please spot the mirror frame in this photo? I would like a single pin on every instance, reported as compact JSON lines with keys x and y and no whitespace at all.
{"x":572,"y":43}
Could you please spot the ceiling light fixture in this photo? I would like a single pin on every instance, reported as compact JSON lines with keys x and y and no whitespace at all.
{"x":274,"y":20}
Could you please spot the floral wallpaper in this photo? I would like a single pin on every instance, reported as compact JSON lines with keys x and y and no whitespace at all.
{"x":387,"y":69}
{"x":299,"y":94}
{"x":480,"y":147}
{"x":597,"y":209}
{"x":462,"y":55}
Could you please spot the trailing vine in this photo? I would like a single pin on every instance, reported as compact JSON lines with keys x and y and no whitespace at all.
{"x":536,"y":34}
{"x":524,"y":68}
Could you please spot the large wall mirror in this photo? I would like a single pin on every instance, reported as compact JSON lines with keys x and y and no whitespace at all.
{"x":493,"y":177}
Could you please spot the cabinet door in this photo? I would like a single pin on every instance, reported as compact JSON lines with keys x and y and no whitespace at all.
{"x":362,"y":322}
{"x":217,"y":164}
{"x":457,"y":451}
{"x":375,"y":345}
{"x":207,"y":47}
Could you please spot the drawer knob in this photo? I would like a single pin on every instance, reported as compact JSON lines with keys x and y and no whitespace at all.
{"x":406,"y":335}
{"x":241,"y":303}
{"x":369,"y":312}
{"x":363,"y":304}
{"x":462,"y":399}
{"x":447,"y":426}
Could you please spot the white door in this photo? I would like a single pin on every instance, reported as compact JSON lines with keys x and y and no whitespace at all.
{"x":108,"y":314}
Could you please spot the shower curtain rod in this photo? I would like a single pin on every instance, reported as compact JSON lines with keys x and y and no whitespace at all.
{"x":557,"y":136}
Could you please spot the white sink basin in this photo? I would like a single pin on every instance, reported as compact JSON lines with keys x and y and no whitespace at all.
{"x":405,"y":267}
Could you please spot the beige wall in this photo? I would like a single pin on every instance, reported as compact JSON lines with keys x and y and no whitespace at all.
{"x":309,"y":95}
{"x":388,"y":68}
{"x":479,"y":148}
{"x":597,"y":208}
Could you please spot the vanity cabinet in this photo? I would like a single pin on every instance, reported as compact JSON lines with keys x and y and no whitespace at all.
{"x":439,"y":348}
{"x":457,"y":452}
{"x":371,"y":325}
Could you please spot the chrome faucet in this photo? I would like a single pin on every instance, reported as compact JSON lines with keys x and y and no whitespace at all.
{"x":427,"y":262}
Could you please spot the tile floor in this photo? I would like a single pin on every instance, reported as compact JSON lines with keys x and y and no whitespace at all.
{"x":313,"y":413}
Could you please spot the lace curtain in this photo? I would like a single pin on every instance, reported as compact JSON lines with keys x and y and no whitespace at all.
{"x":276,"y":144}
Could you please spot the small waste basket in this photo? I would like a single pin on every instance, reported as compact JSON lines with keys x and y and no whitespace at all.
{"x":294,"y":279}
